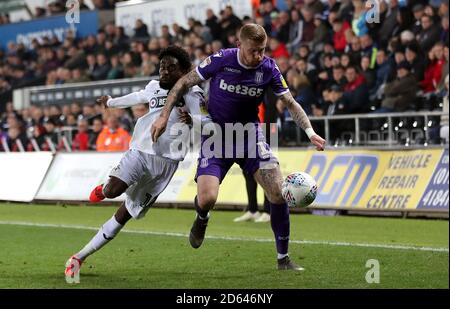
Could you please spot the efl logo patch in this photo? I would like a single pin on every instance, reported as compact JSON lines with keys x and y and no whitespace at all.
{"x":205,"y":62}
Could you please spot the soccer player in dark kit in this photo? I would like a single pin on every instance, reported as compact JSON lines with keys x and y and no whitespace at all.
{"x":238,"y":79}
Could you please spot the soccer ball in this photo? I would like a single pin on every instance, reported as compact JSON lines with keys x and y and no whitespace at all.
{"x":299,"y":189}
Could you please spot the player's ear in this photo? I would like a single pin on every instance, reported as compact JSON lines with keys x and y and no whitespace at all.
{"x":238,"y":43}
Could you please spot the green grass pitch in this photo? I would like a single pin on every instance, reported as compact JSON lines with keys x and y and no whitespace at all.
{"x":36,"y":241}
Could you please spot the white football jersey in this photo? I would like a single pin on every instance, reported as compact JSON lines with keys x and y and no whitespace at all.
{"x":173,"y":143}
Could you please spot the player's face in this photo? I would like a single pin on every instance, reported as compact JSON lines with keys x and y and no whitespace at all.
{"x":252,"y":53}
{"x":169,"y":72}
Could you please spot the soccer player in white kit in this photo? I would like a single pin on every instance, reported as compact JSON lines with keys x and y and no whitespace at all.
{"x":146,"y":168}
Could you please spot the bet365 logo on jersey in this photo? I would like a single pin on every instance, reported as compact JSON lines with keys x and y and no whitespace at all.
{"x":240,"y":89}
{"x":158,"y":102}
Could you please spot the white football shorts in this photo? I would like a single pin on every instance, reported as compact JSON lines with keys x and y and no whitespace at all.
{"x":147,"y":176}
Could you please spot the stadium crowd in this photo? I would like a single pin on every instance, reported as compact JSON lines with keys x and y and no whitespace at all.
{"x":336,"y":56}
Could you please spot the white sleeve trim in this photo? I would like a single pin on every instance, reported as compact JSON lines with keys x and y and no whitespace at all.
{"x":199,"y":74}
{"x":281,"y":93}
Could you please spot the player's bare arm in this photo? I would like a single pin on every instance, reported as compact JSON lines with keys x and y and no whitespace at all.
{"x":181,"y":87}
{"x":302,"y":120}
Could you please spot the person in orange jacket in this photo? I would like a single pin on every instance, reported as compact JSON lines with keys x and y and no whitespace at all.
{"x":113,"y":137}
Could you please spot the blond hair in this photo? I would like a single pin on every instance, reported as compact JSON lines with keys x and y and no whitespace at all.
{"x":253,"y":32}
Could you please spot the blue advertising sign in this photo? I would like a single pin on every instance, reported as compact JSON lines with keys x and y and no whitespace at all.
{"x":25,"y":32}
{"x":436,"y":193}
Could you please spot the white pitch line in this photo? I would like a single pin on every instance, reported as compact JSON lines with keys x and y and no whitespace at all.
{"x":302,"y":242}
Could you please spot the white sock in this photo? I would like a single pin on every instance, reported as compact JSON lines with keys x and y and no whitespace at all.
{"x":106,"y":233}
{"x":281,"y":256}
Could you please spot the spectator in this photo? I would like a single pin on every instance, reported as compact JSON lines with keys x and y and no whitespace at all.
{"x":339,"y":39}
{"x":389,"y":23}
{"x":100,"y":72}
{"x":308,"y":25}
{"x":444,"y":31}
{"x":367,"y":71}
{"x":359,"y":25}
{"x":116,"y":70}
{"x":113,"y":137}
{"x":413,"y":56}
{"x":441,"y":85}
{"x":282,"y":29}
{"x":369,"y":49}
{"x":383,"y":71}
{"x":400,"y":94}
{"x":418,"y":11}
{"x":75,"y":109}
{"x":321,"y":33}
{"x":81,"y":139}
{"x":278,"y":49}
{"x":315,"y":6}
{"x":229,"y":24}
{"x":97,"y":127}
{"x":212,"y":23}
{"x":50,"y":138}
{"x":429,"y":34}
{"x":356,"y":91}
{"x":140,"y":30}
{"x":295,"y":32}
{"x":433,"y":71}
{"x":337,"y":103}
{"x":165,"y":33}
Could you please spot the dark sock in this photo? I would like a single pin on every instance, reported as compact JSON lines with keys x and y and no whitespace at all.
{"x":202,"y":213}
{"x":279,"y":219}
{"x":252,"y":186}
{"x":266,"y":205}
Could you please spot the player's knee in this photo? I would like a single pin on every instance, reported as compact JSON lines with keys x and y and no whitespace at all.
{"x":114,"y":188}
{"x":275,"y":197}
{"x":207,"y":200}
{"x":111,"y":191}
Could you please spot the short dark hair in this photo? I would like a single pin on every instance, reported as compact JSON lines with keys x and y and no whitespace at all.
{"x":178,"y":53}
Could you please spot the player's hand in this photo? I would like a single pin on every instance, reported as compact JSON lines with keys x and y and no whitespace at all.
{"x":158,"y":128}
{"x":103,"y":100}
{"x":318,"y":142}
{"x":184,"y":117}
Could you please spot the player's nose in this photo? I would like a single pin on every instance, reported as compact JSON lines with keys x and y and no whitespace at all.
{"x":259,"y":56}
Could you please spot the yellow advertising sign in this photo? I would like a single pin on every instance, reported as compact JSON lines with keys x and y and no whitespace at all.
{"x":403,"y":181}
{"x":350,"y":179}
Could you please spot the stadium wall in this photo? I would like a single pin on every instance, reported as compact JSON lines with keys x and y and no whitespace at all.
{"x":354,"y":180}
{"x":158,"y":13}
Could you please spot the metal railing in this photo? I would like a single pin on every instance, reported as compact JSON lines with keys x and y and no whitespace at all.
{"x":388,"y":131}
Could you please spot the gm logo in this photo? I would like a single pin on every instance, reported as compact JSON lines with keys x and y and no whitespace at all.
{"x":158,"y":102}
{"x":344,"y":179}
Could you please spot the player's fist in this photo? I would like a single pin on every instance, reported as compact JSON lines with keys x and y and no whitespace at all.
{"x":103,"y":100}
{"x":318,"y":142}
{"x":158,"y":128}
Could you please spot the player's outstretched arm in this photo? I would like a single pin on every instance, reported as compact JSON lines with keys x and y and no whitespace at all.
{"x":181,"y":87}
{"x":125,"y":101}
{"x":302,"y":120}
